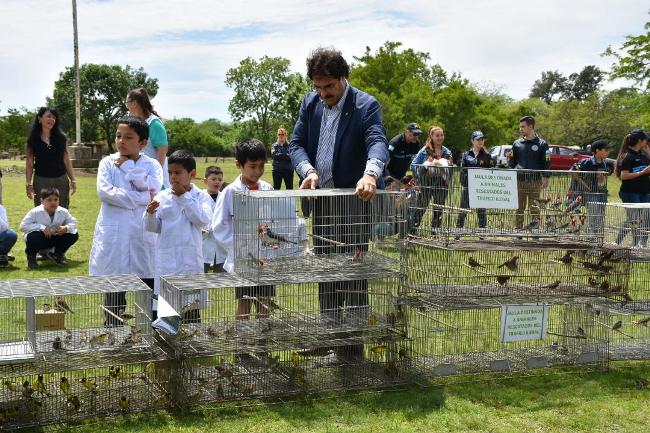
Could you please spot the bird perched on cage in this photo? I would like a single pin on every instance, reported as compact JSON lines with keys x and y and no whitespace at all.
{"x":617,"y":326}
{"x":592,"y":281}
{"x":372,"y":319}
{"x":511,"y":263}
{"x":542,"y":202}
{"x":378,"y":350}
{"x":554,"y":285}
{"x":64,"y":385}
{"x":190,"y":306}
{"x":604,"y":286}
{"x":126,"y":316}
{"x":115,"y":372}
{"x":270,"y":238}
{"x":73,"y":402}
{"x":402,"y":353}
{"x":642,"y":322}
{"x":581,"y":332}
{"x":502,"y":279}
{"x":67,"y":340}
{"x":567,"y":258}
{"x":573,"y":205}
{"x":39,"y":385}
{"x":533,"y":224}
{"x":124,"y":403}
{"x":61,"y":305}
{"x":473,"y":263}
{"x":357,"y":255}
{"x":10,"y":386}
{"x":57,"y":344}
{"x":551,"y":224}
{"x":224,"y":370}
{"x":605,"y":256}
{"x":89,"y":384}
{"x":596,"y":267}
{"x":627,"y":297}
{"x":557,"y":202}
{"x":295,"y":359}
{"x":575,"y":228}
{"x":27,"y":390}
{"x":554,"y":345}
{"x":255,"y":260}
{"x":98,"y":339}
{"x":46,"y":307}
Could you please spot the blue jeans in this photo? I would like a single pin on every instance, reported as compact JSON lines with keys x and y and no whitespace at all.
{"x":638,"y":220}
{"x":7,"y":240}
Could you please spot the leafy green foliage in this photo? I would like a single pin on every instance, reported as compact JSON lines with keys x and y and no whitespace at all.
{"x":632,"y":59}
{"x":210,"y":137}
{"x":14,"y":128}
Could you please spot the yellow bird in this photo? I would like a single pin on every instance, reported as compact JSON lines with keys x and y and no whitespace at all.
{"x":127,"y":316}
{"x":65,"y":385}
{"x":10,"y":385}
{"x":89,"y":384}
{"x":372,"y":320}
{"x":163,"y":399}
{"x":39,"y":385}
{"x":124,"y":403}
{"x":378,"y":349}
{"x":295,"y":359}
{"x":98,"y":339}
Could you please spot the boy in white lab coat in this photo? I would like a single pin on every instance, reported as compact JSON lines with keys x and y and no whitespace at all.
{"x":250,"y":160}
{"x":178,"y":215}
{"x":213,"y":253}
{"x":126,"y":182}
{"x":48,"y":226}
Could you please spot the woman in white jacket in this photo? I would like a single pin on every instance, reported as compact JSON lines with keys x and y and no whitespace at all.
{"x":126,"y":182}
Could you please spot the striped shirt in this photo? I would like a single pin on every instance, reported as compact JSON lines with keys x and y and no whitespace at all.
{"x":325,"y":153}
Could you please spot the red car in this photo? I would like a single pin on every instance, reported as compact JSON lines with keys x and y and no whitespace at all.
{"x":563,"y":157}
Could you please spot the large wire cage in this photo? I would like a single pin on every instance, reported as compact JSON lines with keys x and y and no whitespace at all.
{"x":307,"y":232}
{"x":449,"y":338}
{"x":628,"y":224}
{"x":84,"y":318}
{"x":494,"y":269}
{"x":223,"y":314}
{"x":457,"y":204}
{"x":40,"y":393}
{"x":629,"y":336}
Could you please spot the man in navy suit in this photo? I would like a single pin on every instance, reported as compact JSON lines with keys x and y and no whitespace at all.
{"x":339,"y":141}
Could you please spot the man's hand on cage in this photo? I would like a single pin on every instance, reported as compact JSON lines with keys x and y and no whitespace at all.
{"x":366,"y":187}
{"x":310,"y":182}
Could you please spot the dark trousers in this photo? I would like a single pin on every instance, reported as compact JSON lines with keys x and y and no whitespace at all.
{"x":432,"y":188}
{"x":527,"y":190}
{"x":638,"y":220}
{"x":115,"y":302}
{"x":36,"y":241}
{"x":282,"y":175}
{"x":61,"y":183}
{"x":464,"y":204}
{"x":343,"y":220}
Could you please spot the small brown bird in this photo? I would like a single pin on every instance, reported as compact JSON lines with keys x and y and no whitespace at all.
{"x":605,"y":256}
{"x":642,"y":322}
{"x":627,"y":297}
{"x":62,"y":305}
{"x":553,"y":285}
{"x":581,"y":332}
{"x":57,"y":344}
{"x":567,"y":258}
{"x":604,"y":286}
{"x":27,"y":391}
{"x":511,"y":263}
{"x":502,"y":279}
{"x":127,"y":316}
{"x":473,"y":263}
{"x":74,"y":402}
{"x":618,"y":325}
{"x":46,"y":307}
{"x":592,"y":281}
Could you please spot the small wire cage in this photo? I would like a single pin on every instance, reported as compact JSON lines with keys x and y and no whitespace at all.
{"x":283,"y":373}
{"x":497,"y":269}
{"x":88,"y":316}
{"x":49,"y":393}
{"x":307,"y":232}
{"x":224,"y":314}
{"x":628,"y":224}
{"x":629,"y":336}
{"x":639,"y":286}
{"x":453,"y":204}
{"x":449,"y":339}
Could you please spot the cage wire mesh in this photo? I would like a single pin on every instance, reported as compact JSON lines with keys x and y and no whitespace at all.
{"x":628,"y":224}
{"x":88,"y":316}
{"x":305,"y":232}
{"x":224,"y":314}
{"x":504,"y":270}
{"x":459,"y":204}
{"x":448,"y":339}
{"x":44,"y":393}
{"x":629,"y":336}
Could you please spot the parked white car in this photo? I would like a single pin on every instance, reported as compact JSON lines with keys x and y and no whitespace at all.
{"x":499,"y":155}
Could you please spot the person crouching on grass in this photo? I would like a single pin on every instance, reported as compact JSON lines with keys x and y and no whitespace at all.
{"x":178,"y":215}
{"x":49,"y":226}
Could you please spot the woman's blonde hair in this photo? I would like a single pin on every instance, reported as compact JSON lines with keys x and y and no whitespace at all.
{"x":432,"y":129}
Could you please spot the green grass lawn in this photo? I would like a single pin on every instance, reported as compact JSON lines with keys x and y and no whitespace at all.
{"x":589,"y":402}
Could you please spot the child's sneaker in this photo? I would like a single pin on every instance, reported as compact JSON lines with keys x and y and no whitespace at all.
{"x":31,"y":262}
{"x":57,"y":258}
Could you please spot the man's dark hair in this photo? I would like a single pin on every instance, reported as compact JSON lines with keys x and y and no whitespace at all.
{"x":184,"y":158}
{"x":530,"y":120}
{"x":46,"y":192}
{"x":250,"y":149}
{"x":213,"y":169}
{"x":138,"y":125}
{"x":327,"y":62}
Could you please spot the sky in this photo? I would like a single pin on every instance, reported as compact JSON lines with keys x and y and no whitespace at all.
{"x":190,"y":45}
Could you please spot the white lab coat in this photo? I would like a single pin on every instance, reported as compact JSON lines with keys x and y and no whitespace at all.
{"x":179,"y":221}
{"x":120,"y":243}
{"x":38,"y":220}
{"x":4,"y":222}
{"x":222,"y":218}
{"x":213,"y":252}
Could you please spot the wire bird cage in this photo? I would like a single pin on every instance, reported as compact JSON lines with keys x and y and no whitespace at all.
{"x":56,"y":392}
{"x":628,"y":224}
{"x":224,"y":314}
{"x":282,"y":373}
{"x":629,"y":336}
{"x":310,"y":232}
{"x":89,"y":317}
{"x":456,"y":204}
{"x":494,"y":269}
{"x":450,"y":338}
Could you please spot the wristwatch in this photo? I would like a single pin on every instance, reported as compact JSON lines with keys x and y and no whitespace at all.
{"x":310,"y":171}
{"x":371,"y":173}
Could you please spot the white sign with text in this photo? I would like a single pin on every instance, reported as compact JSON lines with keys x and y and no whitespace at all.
{"x":492,"y":189}
{"x":523,"y":322}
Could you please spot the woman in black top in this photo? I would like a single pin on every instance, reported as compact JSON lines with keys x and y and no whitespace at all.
{"x":282,"y":167}
{"x":47,"y":158}
{"x":633,"y":167}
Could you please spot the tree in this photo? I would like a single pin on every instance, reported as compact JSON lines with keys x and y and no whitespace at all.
{"x":552,"y":84}
{"x":583,"y":84}
{"x":266,"y":94}
{"x":103,"y":90}
{"x":209,"y":138}
{"x":14,"y":128}
{"x":632,"y":59}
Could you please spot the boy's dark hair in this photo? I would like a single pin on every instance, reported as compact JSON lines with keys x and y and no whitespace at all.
{"x":530,"y":120}
{"x":138,"y":125}
{"x":46,"y":192}
{"x":327,"y":62}
{"x":250,"y":149}
{"x":213,"y":169}
{"x":184,"y":158}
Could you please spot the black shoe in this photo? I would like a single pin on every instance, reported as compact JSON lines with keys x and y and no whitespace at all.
{"x":57,"y":258}
{"x":32,"y":263}
{"x":4,"y":261}
{"x":10,"y":257}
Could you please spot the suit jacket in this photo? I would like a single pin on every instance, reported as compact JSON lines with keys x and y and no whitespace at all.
{"x":360,"y":136}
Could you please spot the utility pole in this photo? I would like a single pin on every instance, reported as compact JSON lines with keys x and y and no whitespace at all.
{"x":77,"y":87}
